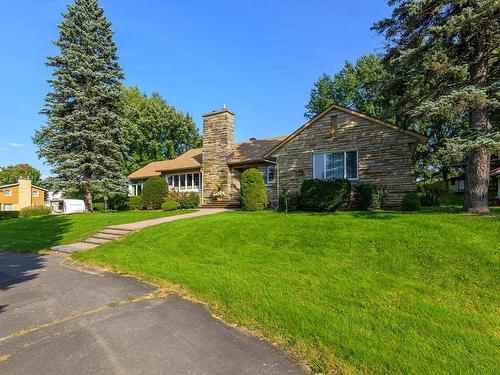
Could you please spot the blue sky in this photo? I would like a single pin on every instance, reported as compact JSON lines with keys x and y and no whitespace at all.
{"x":260,"y":58}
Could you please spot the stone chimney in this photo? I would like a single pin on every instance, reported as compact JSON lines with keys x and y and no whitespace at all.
{"x":24,"y":193}
{"x":218,"y":144}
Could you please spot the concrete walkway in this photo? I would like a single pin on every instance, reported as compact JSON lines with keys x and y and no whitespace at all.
{"x":114,"y":232}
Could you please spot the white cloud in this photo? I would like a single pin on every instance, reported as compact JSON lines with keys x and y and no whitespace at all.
{"x":15,"y":145}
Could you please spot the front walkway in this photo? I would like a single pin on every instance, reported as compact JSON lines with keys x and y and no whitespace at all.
{"x":114,"y":232}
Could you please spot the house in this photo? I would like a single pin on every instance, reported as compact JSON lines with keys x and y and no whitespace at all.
{"x":14,"y":197}
{"x":338,"y":143}
{"x":457,"y":184}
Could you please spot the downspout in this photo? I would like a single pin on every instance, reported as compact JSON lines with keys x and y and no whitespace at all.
{"x":277,"y":176}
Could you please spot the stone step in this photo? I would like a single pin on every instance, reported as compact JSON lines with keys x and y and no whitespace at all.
{"x":77,"y":246}
{"x":96,"y":241}
{"x":119,"y":232}
{"x":107,"y":236}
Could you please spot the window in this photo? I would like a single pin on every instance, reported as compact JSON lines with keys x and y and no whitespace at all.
{"x":7,"y":207}
{"x":7,"y":193}
{"x":270,"y":174}
{"x":336,"y":165}
{"x":136,"y":187}
{"x":184,"y":182}
{"x":35,"y":193}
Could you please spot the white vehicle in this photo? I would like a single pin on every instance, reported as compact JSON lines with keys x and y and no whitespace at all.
{"x":67,"y":206}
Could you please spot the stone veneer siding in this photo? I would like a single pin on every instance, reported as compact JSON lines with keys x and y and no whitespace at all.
{"x":384,"y":154}
{"x":236,"y":172}
{"x":218,"y":143}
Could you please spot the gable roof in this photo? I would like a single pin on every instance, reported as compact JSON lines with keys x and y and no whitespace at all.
{"x":17,"y":183}
{"x":419,"y":137}
{"x":191,"y":159}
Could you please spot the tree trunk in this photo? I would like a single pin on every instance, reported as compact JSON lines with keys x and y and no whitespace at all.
{"x":477,"y":171}
{"x":476,"y":182}
{"x":88,"y":197}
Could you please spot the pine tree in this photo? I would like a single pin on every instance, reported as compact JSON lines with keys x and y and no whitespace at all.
{"x":321,"y":96}
{"x":83,"y":139}
{"x":444,"y":54}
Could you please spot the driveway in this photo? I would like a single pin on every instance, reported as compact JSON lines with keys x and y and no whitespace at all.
{"x":57,"y":317}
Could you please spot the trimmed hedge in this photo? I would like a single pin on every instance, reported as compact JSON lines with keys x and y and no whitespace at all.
{"x":324,"y":195}
{"x":135,"y":203}
{"x":154,"y":192}
{"x":32,"y":211}
{"x":411,"y":202}
{"x":253,"y":190}
{"x":170,"y":205}
{"x":370,"y":196}
{"x":6,"y":215}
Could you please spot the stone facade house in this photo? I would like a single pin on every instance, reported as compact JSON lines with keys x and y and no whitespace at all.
{"x":338,"y":143}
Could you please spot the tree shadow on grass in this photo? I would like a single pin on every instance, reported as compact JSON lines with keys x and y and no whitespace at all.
{"x":33,"y":234}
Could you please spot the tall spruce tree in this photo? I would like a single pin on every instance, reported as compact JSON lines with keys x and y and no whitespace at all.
{"x":83,"y":140}
{"x":444,"y":57}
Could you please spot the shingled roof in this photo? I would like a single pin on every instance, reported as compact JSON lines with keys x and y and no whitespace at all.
{"x":252,"y":151}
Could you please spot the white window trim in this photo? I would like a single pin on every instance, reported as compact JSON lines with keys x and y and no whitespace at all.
{"x":268,"y":181}
{"x":345,"y":164}
{"x":35,"y":193}
{"x":133,"y":184}
{"x":7,"y":192}
{"x":186,"y":189}
{"x":11,"y":206}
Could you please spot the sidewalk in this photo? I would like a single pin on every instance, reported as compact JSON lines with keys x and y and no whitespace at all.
{"x":114,"y":232}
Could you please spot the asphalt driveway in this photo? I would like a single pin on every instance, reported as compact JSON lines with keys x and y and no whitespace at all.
{"x":57,"y":317}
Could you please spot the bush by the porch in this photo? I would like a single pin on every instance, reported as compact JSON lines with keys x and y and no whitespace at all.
{"x":170,"y":205}
{"x":325,"y":195}
{"x":189,"y":200}
{"x":253,"y":190}
{"x":154,"y":192}
{"x":135,"y":203}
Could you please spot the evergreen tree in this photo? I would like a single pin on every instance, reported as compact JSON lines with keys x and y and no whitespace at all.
{"x":154,"y":129}
{"x":83,"y":140}
{"x":321,"y":96}
{"x":444,"y":57}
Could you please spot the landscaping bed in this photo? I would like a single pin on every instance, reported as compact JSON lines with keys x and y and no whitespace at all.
{"x":359,"y":292}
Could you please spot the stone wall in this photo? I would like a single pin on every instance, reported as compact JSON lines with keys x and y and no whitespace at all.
{"x":218,"y":143}
{"x":384,"y":154}
{"x":236,"y":172}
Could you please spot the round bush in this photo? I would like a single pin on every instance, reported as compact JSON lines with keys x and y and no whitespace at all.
{"x":325,"y":195}
{"x":154,"y":192}
{"x":189,"y":200}
{"x":170,"y":205}
{"x":135,"y":203}
{"x":253,"y":190}
{"x":411,"y":202}
{"x":370,"y":196}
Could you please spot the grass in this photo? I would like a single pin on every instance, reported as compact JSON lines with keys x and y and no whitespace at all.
{"x":355,"y":292}
{"x":42,"y":232}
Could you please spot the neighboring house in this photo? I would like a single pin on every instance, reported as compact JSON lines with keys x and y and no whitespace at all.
{"x":339,"y":143}
{"x":14,"y":197}
{"x":457,"y":184}
{"x":495,"y":176}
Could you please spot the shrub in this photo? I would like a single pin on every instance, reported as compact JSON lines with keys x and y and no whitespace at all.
{"x":170,"y":205}
{"x":6,"y":215}
{"x":253,"y":190}
{"x":135,"y":203}
{"x":289,"y":201}
{"x":370,"y":196}
{"x":189,"y":200}
{"x":411,"y":202}
{"x":324,"y":195}
{"x":27,"y":212}
{"x":433,"y":193}
{"x":154,"y":192}
{"x":98,"y":206}
{"x":118,"y":202}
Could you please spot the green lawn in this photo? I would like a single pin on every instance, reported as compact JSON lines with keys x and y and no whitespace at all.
{"x":357,"y":292}
{"x":42,"y":232}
